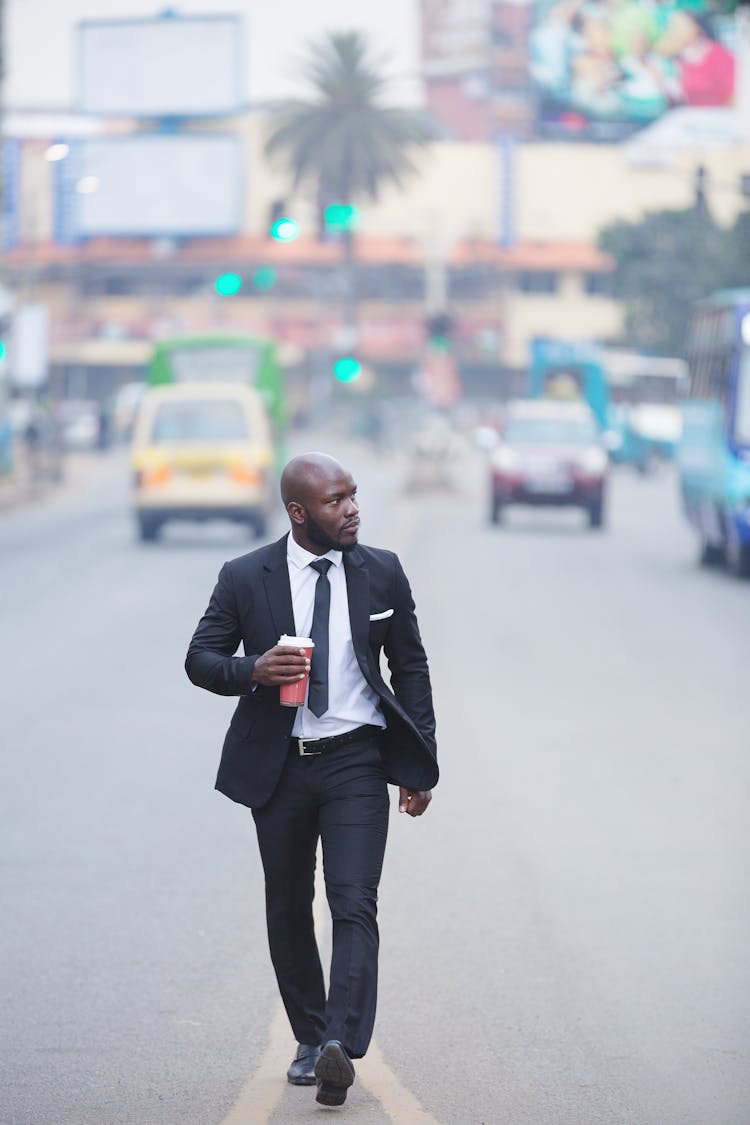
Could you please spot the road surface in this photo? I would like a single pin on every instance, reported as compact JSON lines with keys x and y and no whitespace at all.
{"x":564,"y":934}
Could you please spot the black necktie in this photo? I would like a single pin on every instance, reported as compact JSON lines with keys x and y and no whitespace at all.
{"x":317,"y":694}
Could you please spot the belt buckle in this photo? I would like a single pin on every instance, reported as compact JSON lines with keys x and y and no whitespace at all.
{"x":307,"y":753}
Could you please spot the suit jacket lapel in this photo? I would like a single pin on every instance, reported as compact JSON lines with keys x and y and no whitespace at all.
{"x":358,"y":595}
{"x":278,"y":590}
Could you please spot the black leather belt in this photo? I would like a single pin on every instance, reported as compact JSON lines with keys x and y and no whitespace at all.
{"x":311,"y":747}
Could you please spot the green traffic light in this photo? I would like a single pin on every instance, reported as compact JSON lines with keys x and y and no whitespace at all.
{"x":3,"y":350}
{"x":264,"y":278}
{"x":284,"y":229}
{"x":227,"y":284}
{"x":341,"y":217}
{"x":439,"y":343}
{"x":347,"y":369}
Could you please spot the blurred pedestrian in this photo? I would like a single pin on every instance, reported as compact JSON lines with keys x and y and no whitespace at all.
{"x":321,"y":771}
{"x":103,"y":426}
{"x":32,"y":440}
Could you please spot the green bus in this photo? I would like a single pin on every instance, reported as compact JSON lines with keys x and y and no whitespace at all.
{"x":223,"y":358}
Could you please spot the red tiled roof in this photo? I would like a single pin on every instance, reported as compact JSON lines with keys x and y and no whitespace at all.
{"x":307,"y":251}
{"x":534,"y":256}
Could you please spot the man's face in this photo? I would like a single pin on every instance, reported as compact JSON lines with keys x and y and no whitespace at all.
{"x":331,"y":514}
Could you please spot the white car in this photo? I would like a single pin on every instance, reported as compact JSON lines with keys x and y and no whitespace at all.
{"x":79,"y":423}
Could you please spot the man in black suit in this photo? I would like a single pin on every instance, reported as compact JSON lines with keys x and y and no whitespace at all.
{"x":321,"y":770}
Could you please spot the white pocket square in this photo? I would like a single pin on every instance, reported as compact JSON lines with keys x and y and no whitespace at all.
{"x":381,"y":616}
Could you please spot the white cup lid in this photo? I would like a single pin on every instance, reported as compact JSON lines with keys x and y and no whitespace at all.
{"x":296,"y":642}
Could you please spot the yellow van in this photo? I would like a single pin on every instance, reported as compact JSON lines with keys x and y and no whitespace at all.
{"x":202,"y":451}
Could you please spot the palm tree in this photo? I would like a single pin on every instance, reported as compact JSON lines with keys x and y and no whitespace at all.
{"x":342,"y":141}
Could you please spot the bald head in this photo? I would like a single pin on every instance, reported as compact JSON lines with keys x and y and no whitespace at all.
{"x":320,"y":497}
{"x":306,"y":472}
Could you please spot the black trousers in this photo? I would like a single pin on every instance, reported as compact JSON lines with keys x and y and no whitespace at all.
{"x":341,"y":797}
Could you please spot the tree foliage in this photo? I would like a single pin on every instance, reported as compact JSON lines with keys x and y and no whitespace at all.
{"x":342,"y":140}
{"x":668,"y":261}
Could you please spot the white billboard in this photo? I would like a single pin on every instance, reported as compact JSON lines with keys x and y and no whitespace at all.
{"x":150,"y":185}
{"x":171,"y":66}
{"x":29,"y":345}
{"x":455,"y":37}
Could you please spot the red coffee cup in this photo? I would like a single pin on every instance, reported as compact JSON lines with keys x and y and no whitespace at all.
{"x":293,"y":695}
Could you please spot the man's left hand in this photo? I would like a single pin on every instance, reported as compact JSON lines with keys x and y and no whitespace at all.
{"x":412,"y":801}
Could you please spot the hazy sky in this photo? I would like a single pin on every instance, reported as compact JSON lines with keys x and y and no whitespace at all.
{"x":39,"y":36}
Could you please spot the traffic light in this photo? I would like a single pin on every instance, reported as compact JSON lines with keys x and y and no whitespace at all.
{"x":264,"y":279}
{"x":284,"y":230}
{"x":6,"y":326}
{"x":227,"y":284}
{"x":439,"y":330}
{"x":281,"y":227}
{"x":347,"y":369}
{"x":338,"y":218}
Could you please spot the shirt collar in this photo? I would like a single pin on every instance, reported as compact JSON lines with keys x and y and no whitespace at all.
{"x":301,"y":558}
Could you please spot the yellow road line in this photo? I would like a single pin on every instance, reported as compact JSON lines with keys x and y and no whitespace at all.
{"x":263,"y":1091}
{"x":265,"y":1088}
{"x":399,"y":1103}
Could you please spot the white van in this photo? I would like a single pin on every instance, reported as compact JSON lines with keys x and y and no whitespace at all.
{"x":202,"y":451}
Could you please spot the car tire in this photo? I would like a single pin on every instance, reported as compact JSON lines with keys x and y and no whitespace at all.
{"x":148,"y":528}
{"x":710,"y":555}
{"x":738,"y":557}
{"x":496,"y":511}
{"x":595,"y":514}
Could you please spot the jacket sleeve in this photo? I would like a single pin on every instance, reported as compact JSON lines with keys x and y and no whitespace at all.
{"x":407,"y":661}
{"x":210,"y":662}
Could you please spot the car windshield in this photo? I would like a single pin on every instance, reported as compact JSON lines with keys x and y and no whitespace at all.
{"x":216,"y":364}
{"x":200,"y":421}
{"x":550,"y":431}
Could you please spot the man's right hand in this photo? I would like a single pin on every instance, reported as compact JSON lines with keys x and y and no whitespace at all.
{"x":280,"y":665}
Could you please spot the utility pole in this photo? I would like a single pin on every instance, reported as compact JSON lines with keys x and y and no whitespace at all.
{"x":700,"y":177}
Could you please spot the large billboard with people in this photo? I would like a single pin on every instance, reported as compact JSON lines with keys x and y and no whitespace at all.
{"x":604,"y":68}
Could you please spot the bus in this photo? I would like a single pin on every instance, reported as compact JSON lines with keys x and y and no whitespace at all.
{"x":223,"y":358}
{"x":645,"y":417}
{"x":714,"y":454}
{"x":634,"y":397}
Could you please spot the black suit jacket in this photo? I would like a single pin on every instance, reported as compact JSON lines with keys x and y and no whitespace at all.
{"x":252,"y":603}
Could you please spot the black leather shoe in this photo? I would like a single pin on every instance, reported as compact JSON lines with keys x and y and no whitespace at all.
{"x":334,"y":1074}
{"x":302,"y":1070}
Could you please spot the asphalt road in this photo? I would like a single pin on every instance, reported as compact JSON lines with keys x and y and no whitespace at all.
{"x":564,"y":935}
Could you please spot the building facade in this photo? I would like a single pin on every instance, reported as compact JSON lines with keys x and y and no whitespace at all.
{"x":505,"y":241}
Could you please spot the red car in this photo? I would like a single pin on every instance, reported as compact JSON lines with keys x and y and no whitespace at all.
{"x":549,"y":453}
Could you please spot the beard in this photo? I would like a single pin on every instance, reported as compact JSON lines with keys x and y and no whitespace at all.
{"x":321,"y":538}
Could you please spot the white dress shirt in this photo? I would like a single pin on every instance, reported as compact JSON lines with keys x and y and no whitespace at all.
{"x":351,"y":701}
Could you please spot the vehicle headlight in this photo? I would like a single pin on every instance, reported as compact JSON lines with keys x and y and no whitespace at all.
{"x":504,"y":459}
{"x":594,"y":461}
